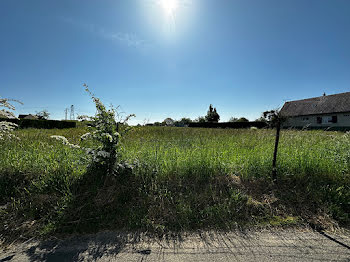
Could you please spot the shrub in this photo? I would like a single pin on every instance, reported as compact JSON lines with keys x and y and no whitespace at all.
{"x":106,"y":135}
{"x":41,"y":124}
{"x":6,"y":128}
{"x":229,"y":124}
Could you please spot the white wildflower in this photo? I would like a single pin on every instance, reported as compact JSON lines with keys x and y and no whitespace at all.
{"x":89,"y":150}
{"x":65,"y":141}
{"x":74,"y":146}
{"x":85,"y":136}
{"x":6,"y":128}
{"x":103,"y":154}
{"x":62,"y":139}
{"x":108,"y":136}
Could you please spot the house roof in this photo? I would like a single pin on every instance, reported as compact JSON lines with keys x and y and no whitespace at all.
{"x":30,"y":116}
{"x":338,"y":103}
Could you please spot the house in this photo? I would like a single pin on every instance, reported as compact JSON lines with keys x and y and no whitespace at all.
{"x":30,"y":116}
{"x":327,"y":111}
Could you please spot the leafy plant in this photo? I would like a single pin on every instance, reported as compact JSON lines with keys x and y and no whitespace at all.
{"x":106,"y":134}
{"x":6,"y":128}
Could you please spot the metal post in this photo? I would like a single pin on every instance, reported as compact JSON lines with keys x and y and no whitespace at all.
{"x":274,"y":169}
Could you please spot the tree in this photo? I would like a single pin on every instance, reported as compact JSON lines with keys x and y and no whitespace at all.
{"x":242,"y":119}
{"x":186,"y":121}
{"x":44,"y":114}
{"x":183,"y":122}
{"x":168,"y":122}
{"x":261,"y":119}
{"x":233,"y":119}
{"x":273,"y":117}
{"x":212,"y":115}
{"x":200,"y":119}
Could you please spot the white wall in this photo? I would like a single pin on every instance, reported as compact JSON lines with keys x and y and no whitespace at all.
{"x":301,"y":121}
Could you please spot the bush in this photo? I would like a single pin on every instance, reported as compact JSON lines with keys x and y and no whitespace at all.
{"x":229,"y":125}
{"x":106,"y":134}
{"x":41,"y":124}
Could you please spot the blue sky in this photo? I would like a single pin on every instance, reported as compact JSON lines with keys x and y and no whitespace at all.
{"x":160,"y":60}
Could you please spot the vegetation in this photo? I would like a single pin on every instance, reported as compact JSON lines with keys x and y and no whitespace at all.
{"x":212,"y":115}
{"x":40,"y":123}
{"x":6,"y":128}
{"x":200,"y":119}
{"x":241,"y":119}
{"x":168,"y":122}
{"x":173,"y":179}
{"x":162,"y":179}
{"x":233,"y":119}
{"x":106,"y":136}
{"x":183,"y":122}
{"x":44,"y":114}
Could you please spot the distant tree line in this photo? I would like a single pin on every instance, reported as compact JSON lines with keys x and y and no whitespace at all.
{"x":212,"y":116}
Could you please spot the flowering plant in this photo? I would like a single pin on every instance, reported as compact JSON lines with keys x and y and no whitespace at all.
{"x":6,"y":128}
{"x":106,"y":134}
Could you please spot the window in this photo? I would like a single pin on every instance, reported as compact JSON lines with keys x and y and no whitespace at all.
{"x":305,"y":119}
{"x":327,"y":119}
{"x":347,"y":115}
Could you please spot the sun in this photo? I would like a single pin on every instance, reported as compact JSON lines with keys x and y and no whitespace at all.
{"x":169,"y":7}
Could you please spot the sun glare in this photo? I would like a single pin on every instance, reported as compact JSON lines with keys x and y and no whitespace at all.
{"x":169,"y":7}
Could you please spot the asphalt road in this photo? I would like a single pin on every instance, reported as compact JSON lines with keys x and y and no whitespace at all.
{"x":268,"y":245}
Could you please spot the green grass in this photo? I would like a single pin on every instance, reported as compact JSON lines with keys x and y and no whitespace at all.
{"x":181,"y":179}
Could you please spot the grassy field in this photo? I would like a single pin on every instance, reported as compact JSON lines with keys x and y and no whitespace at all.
{"x":176,"y":179}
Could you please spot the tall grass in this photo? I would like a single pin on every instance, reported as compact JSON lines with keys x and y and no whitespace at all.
{"x":179,"y":178}
{"x":38,"y":161}
{"x":247,"y":153}
{"x":188,"y":152}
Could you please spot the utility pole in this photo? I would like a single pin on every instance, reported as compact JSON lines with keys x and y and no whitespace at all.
{"x":72,"y":112}
{"x":66,"y":113}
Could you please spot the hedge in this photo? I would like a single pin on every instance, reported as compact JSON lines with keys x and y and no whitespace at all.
{"x":229,"y":125}
{"x":40,"y":123}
